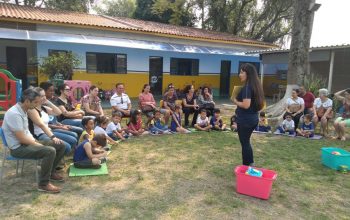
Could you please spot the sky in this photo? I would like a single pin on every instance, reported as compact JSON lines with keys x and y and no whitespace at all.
{"x":331,"y":23}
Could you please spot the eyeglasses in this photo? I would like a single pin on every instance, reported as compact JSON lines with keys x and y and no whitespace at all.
{"x":67,"y":89}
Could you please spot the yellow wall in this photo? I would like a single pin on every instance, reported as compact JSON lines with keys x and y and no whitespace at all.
{"x":212,"y":81}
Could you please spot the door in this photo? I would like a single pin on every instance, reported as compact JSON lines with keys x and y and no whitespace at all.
{"x":225,"y":73}
{"x":17,"y":63}
{"x":156,"y":75}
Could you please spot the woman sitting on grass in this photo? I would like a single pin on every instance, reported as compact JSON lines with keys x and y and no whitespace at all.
{"x":322,"y":110}
{"x":89,"y":154}
{"x":135,"y":123}
{"x":344,"y":121}
{"x":176,"y":121}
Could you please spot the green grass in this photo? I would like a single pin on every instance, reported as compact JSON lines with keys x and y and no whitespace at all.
{"x":189,"y":177}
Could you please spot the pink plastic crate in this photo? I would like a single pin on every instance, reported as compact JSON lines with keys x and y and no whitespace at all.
{"x":79,"y":88}
{"x":259,"y":187}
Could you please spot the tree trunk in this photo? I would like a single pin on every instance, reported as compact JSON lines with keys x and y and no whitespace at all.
{"x":298,"y":62}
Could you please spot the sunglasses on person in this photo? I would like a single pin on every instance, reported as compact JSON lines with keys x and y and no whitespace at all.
{"x":121,"y":100}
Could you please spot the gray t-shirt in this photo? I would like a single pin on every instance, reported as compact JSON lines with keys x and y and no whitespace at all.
{"x":15,"y":120}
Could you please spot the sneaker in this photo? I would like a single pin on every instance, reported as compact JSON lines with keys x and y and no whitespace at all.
{"x":49,"y":188}
{"x":56,"y":177}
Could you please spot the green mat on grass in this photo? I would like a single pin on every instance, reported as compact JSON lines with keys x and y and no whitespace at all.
{"x":88,"y":172}
{"x":192,"y":129}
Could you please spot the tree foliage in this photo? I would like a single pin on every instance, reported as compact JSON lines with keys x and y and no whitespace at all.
{"x":59,"y":63}
{"x":117,"y":8}
{"x":69,"y":5}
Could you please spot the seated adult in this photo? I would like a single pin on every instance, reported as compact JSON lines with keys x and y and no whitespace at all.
{"x":148,"y":105}
{"x":53,"y":123}
{"x":91,"y":103}
{"x":121,"y":101}
{"x":169,"y":101}
{"x":70,"y":115}
{"x":322,"y":109}
{"x":295,"y":107}
{"x":205,"y":101}
{"x":189,"y":102}
{"x":309,"y":99}
{"x":344,"y":120}
{"x":23,"y":145}
{"x":38,"y":119}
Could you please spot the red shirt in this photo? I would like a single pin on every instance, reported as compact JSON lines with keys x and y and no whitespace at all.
{"x":309,"y":99}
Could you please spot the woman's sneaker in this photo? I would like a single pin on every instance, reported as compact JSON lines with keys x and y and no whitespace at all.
{"x":49,"y":188}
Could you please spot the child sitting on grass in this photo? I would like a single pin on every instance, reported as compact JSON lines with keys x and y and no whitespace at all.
{"x":287,"y":125}
{"x":135,"y":123}
{"x":176,"y":121}
{"x":216,"y":121}
{"x":89,"y":124}
{"x":101,"y":125}
{"x":89,"y":153}
{"x":307,"y":128}
{"x":202,"y":123}
{"x":157,"y":124}
{"x":114,"y":129}
{"x":233,"y":124}
{"x":263,"y":125}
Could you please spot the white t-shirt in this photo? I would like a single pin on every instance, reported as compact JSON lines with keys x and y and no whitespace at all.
{"x":299,"y":101}
{"x":289,"y":125}
{"x":120,"y":101}
{"x":327,"y":104}
{"x":99,"y":130}
{"x":111,"y":127}
{"x":45,"y":118}
{"x":202,"y":122}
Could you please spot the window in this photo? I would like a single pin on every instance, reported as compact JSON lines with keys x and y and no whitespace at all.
{"x":106,"y":63}
{"x":56,"y":52}
{"x":184,"y":67}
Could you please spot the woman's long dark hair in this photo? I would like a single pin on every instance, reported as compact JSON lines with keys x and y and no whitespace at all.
{"x":254,"y":82}
{"x":187,"y":89}
{"x":209,"y":91}
{"x":144,"y":86}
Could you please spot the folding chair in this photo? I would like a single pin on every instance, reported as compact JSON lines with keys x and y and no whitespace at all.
{"x":7,"y":156}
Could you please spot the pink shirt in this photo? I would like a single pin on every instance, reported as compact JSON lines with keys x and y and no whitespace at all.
{"x":146,"y":98}
{"x":135,"y":127}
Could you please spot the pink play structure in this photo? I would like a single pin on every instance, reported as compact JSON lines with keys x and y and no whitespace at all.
{"x":79,"y":88}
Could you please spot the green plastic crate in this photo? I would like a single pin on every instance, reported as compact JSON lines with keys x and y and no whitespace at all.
{"x":334,"y":161}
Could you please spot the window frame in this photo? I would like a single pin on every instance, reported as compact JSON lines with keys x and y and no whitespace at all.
{"x":194,"y":66}
{"x":116,"y":66}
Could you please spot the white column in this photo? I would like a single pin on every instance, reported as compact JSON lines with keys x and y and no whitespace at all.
{"x":262,"y":73}
{"x":330,"y":77}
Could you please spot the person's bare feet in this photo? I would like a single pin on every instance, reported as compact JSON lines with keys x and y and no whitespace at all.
{"x":49,"y":188}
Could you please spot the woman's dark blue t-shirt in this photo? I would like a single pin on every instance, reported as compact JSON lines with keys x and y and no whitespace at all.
{"x":251,"y":112}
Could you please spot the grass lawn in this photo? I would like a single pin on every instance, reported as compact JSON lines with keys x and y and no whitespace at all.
{"x":189,"y":177}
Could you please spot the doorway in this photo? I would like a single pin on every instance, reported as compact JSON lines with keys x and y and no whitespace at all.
{"x":17,"y":63}
{"x":225,"y":73}
{"x":156,"y":75}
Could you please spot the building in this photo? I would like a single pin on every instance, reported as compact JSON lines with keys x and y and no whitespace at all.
{"x":124,"y":50}
{"x":328,"y":62}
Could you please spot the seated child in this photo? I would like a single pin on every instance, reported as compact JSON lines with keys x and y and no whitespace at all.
{"x":101,"y":125}
{"x":202,"y":122}
{"x":307,"y":128}
{"x":176,"y":121}
{"x":88,"y":154}
{"x":135,"y":123}
{"x":233,"y":124}
{"x":216,"y":121}
{"x":157,"y":124}
{"x":89,"y":124}
{"x":287,"y":125}
{"x":263,"y":125}
{"x":114,"y":129}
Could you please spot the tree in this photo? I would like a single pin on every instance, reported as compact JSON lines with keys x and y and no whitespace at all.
{"x":69,"y":5}
{"x":268,"y":22}
{"x":298,"y":61}
{"x":143,"y":11}
{"x":59,"y":64}
{"x":117,"y":8}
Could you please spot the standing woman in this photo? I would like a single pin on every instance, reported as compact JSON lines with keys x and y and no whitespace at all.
{"x":249,"y":101}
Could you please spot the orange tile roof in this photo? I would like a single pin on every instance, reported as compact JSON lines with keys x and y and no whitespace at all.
{"x":15,"y":12}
